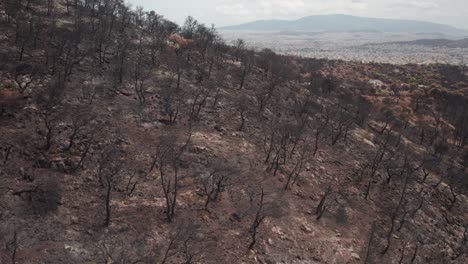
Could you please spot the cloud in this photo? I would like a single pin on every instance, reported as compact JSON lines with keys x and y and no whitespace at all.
{"x":229,"y":12}
{"x":260,"y":9}
{"x":415,"y":4}
{"x":233,"y":9}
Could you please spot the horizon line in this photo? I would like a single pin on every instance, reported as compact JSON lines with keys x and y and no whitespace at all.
{"x":343,"y":14}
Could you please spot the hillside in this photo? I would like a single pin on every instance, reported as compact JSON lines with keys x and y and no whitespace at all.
{"x":126,"y":138}
{"x":462,"y":43}
{"x":347,"y":23}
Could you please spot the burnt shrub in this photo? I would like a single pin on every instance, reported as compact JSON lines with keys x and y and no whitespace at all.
{"x":42,"y":198}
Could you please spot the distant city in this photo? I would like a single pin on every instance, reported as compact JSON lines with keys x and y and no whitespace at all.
{"x":350,"y":38}
{"x":355,"y":46}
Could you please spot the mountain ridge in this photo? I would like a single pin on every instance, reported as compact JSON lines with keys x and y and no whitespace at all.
{"x":339,"y":22}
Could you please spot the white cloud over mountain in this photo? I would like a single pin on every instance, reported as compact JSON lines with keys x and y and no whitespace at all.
{"x":286,"y":8}
{"x":226,"y":12}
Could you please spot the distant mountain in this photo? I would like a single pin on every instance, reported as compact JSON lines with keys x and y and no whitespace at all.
{"x":345,"y":23}
{"x":436,"y":43}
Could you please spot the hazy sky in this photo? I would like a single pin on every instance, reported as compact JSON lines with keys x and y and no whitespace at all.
{"x":228,"y":12}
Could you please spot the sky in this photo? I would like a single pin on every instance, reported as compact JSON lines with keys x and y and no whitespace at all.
{"x":231,"y":12}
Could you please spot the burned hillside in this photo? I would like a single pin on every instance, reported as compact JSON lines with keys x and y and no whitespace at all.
{"x":126,"y":138}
